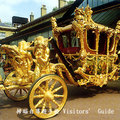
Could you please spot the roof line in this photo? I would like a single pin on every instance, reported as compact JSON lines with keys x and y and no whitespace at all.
{"x":44,"y":17}
{"x":106,"y":6}
{"x":42,"y":25}
{"x":72,"y":8}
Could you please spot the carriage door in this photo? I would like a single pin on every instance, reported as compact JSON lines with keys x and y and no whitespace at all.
{"x":106,"y":45}
{"x":102,"y":54}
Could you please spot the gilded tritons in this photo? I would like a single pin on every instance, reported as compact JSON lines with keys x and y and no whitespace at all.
{"x":29,"y":61}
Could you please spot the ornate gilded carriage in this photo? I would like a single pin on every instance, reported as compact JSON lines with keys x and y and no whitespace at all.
{"x":89,"y":48}
{"x":86,"y":53}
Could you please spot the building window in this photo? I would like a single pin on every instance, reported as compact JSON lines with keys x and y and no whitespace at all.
{"x":2,"y":35}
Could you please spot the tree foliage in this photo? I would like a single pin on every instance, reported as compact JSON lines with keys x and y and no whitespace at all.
{"x":70,"y":2}
{"x":54,"y":9}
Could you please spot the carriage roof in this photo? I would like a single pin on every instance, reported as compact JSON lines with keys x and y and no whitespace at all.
{"x":81,"y":24}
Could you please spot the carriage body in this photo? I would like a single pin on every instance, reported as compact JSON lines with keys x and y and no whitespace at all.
{"x":89,"y":48}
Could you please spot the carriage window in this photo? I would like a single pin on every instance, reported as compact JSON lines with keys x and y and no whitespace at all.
{"x":69,"y":39}
{"x":111,"y":44}
{"x":102,"y":43}
{"x":91,"y":39}
{"x":74,"y":40}
{"x":68,"y":43}
{"x":65,"y":41}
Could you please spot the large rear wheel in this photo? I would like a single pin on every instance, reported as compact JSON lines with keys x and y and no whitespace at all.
{"x":16,"y":94}
{"x":48,"y":96}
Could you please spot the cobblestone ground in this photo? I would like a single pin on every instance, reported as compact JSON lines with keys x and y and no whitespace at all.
{"x":82,"y":104}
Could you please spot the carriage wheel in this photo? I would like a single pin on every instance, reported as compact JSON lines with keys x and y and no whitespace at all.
{"x":48,"y":96}
{"x":17,"y":94}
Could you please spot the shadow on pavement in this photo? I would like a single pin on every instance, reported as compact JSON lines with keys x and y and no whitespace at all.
{"x":6,"y":103}
{"x":84,"y":92}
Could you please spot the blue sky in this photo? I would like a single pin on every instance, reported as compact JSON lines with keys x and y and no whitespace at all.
{"x":23,"y":8}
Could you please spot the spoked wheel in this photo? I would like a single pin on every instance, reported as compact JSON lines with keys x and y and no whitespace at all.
{"x":17,"y":94}
{"x":48,"y":96}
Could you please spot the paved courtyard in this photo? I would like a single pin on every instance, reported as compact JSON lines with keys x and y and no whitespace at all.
{"x":82,"y":104}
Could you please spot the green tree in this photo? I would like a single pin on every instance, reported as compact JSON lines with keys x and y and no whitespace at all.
{"x":54,"y":9}
{"x":8,"y":24}
{"x":70,"y":2}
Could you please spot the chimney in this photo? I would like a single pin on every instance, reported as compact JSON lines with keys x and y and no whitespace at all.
{"x":43,"y":10}
{"x":31,"y":17}
{"x":62,"y":3}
